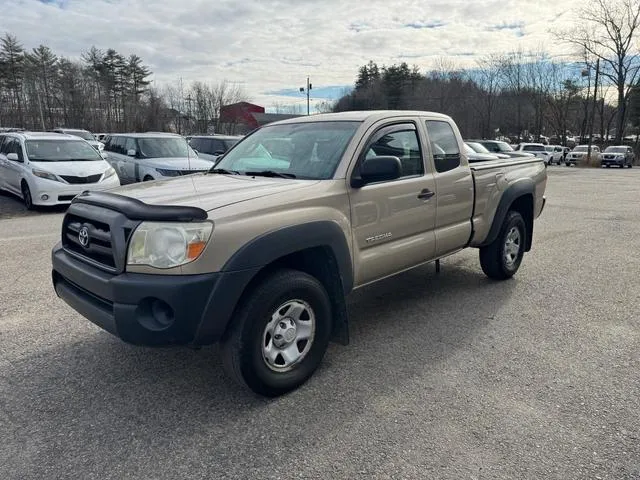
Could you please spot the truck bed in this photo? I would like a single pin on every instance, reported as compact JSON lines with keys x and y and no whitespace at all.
{"x":491,"y":178}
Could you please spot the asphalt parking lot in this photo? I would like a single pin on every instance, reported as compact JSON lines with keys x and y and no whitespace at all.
{"x":448,"y":375}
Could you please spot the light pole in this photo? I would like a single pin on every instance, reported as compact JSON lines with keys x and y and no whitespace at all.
{"x":593,"y":112}
{"x":308,"y":89}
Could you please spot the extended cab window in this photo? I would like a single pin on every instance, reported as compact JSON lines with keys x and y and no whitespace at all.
{"x":403,"y":144}
{"x":444,"y":145}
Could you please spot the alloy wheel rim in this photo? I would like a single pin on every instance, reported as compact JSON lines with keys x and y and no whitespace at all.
{"x":512,"y":247}
{"x":288,"y":336}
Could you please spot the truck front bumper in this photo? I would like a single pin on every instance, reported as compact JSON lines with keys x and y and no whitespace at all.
{"x":153,"y":310}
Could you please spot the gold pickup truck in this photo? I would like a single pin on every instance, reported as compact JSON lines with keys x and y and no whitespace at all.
{"x":259,"y":253}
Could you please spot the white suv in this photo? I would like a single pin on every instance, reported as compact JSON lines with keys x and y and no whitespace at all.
{"x":537,"y":149}
{"x":139,"y":157}
{"x":51,"y":168}
{"x":84,"y":134}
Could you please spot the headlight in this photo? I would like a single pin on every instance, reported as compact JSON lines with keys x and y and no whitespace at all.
{"x":43,"y":174}
{"x":109,"y":173}
{"x":168,"y":173}
{"x":167,"y":245}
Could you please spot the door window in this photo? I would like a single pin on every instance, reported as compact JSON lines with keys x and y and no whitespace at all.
{"x":403,"y":144}
{"x":130,"y":144}
{"x":444,"y":145}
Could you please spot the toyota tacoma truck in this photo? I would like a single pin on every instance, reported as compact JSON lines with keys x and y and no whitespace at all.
{"x":259,"y":253}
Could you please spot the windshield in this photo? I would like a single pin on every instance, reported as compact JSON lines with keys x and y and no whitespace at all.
{"x":549,"y":149}
{"x":616,"y":150}
{"x":533,"y":148}
{"x":165,"y":147}
{"x":581,"y":149}
{"x":81,"y":133}
{"x":478,"y":148}
{"x":307,"y":150}
{"x":60,"y":151}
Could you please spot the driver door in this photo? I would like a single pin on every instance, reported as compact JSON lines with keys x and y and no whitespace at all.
{"x":393,"y":221}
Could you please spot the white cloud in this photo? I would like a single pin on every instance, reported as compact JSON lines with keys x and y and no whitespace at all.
{"x":270,"y":45}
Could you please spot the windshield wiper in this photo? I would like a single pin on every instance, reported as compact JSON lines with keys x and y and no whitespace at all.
{"x":223,"y":171}
{"x":270,"y":173}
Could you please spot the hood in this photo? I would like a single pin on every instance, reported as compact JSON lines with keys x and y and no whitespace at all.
{"x":177,"y":163}
{"x":76,"y":169}
{"x":210,"y":191}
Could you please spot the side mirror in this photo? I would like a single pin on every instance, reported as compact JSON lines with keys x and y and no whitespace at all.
{"x":377,"y":169}
{"x":13,"y":157}
{"x":131,"y":152}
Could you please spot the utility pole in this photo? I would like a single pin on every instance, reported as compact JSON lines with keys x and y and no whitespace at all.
{"x":189,"y":100}
{"x":593,"y":112}
{"x":308,"y":89}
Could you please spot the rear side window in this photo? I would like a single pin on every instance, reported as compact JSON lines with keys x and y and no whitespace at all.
{"x":217,"y":146}
{"x":444,"y":145}
{"x":117,"y":144}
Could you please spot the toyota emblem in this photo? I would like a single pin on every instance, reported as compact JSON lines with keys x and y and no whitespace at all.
{"x":83,"y":236}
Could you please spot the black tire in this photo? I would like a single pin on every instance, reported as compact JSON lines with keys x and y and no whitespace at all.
{"x":242,"y":344}
{"x":26,"y":196}
{"x":492,"y":257}
{"x":147,"y":178}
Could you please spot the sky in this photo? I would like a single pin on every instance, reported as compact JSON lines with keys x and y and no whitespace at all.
{"x":270,"y":47}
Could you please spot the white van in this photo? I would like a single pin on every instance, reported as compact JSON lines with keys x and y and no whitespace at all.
{"x":50,"y":168}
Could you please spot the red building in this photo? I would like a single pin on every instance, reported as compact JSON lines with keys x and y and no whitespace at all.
{"x":243,"y":117}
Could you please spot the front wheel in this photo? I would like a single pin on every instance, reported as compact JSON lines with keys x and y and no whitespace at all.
{"x":26,"y":196}
{"x":501,"y":259}
{"x":279,"y":333}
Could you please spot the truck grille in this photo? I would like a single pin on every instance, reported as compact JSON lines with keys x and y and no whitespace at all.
{"x":98,"y":247}
{"x":79,"y":180}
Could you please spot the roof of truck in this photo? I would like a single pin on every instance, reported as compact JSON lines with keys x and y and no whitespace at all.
{"x":361,"y":116}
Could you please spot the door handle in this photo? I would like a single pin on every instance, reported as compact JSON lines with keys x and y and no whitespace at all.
{"x":426,"y":194}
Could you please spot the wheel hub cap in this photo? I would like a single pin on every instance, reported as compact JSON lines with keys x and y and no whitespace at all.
{"x":512,"y":247}
{"x":284,"y":333}
{"x":288,"y":336}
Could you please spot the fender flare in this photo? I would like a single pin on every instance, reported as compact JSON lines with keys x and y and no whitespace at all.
{"x":276,"y":244}
{"x":523,"y":187}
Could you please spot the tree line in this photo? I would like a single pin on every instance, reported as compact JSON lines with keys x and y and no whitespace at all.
{"x":526,"y":94}
{"x":103,"y":91}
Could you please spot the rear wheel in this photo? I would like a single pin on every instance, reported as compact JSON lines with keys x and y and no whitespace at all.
{"x":26,"y":196}
{"x":501,"y":259}
{"x":279,"y":334}
{"x":147,"y":178}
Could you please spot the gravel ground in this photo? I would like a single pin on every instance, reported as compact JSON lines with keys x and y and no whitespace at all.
{"x":448,"y":375}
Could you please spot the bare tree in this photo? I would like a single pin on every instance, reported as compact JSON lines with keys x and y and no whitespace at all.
{"x":488,"y":77}
{"x":608,"y":34}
